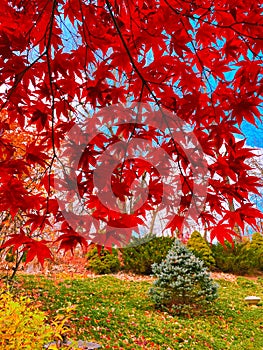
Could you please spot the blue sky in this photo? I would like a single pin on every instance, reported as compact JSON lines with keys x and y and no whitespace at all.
{"x":253,"y":134}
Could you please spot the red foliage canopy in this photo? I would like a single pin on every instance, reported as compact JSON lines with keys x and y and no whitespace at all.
{"x":62,"y":61}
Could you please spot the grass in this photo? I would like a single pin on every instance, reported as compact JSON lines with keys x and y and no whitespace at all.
{"x":119,"y":315}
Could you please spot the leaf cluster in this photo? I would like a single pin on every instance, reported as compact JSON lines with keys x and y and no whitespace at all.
{"x":200,"y":62}
{"x":22,"y":325}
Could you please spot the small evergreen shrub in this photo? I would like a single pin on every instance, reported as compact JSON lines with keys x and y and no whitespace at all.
{"x":232,"y":259}
{"x":201,"y":249}
{"x":182,"y":282}
{"x":104,"y":262}
{"x":257,"y":241}
{"x":256,"y":251}
{"x":243,"y":258}
{"x":143,"y":252}
{"x":22,"y":326}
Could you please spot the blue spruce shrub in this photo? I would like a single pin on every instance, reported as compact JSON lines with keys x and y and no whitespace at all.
{"x":183,"y":281}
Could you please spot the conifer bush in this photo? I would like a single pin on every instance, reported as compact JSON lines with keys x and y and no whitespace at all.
{"x":104,"y":262}
{"x":144,"y":252}
{"x":232,"y":259}
{"x":201,"y":249}
{"x":255,"y":251}
{"x":242,"y":258}
{"x":183,"y":281}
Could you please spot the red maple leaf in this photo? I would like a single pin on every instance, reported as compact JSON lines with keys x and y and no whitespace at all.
{"x":69,"y":241}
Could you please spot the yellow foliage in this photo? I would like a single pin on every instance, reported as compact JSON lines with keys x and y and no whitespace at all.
{"x":22,"y":326}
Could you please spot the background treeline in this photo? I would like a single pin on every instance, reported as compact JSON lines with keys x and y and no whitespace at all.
{"x":245,"y":257}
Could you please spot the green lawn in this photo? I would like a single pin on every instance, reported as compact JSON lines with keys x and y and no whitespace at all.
{"x":119,"y":315}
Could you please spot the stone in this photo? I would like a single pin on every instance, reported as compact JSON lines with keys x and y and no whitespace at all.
{"x":82,"y":344}
{"x":252,"y":299}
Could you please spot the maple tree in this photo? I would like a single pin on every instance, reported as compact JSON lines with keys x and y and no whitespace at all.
{"x":14,"y":217}
{"x":64,"y":62}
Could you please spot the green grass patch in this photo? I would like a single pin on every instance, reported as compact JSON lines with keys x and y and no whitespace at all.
{"x":119,"y":315}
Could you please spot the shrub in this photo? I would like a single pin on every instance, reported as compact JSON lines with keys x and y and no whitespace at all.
{"x":104,"y":262}
{"x":232,"y":259}
{"x":257,"y":241}
{"x":21,"y":324}
{"x":201,"y":249}
{"x":182,"y":281}
{"x":242,"y":258}
{"x":143,"y":252}
{"x":255,"y":251}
